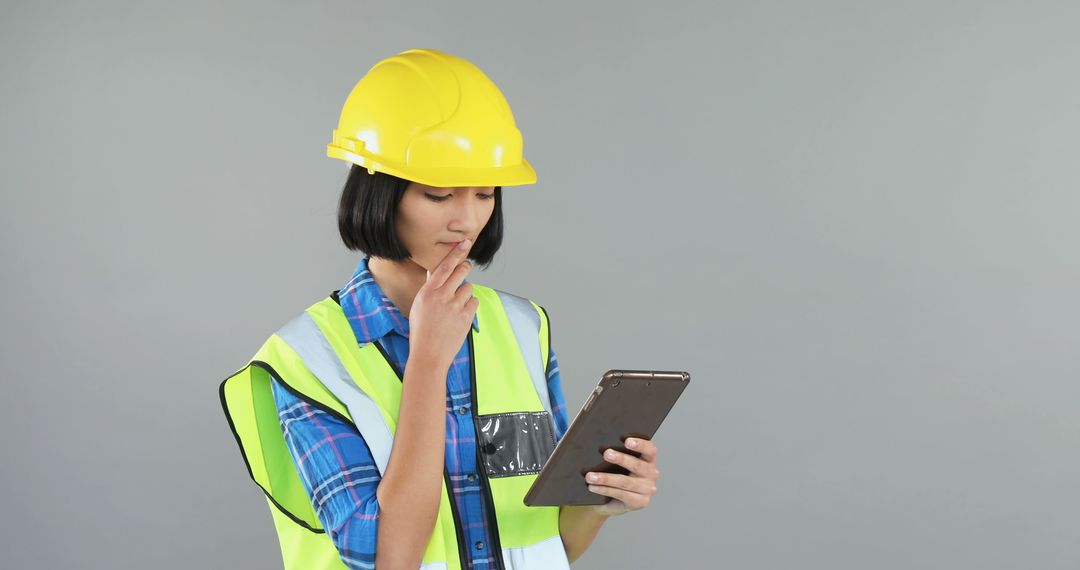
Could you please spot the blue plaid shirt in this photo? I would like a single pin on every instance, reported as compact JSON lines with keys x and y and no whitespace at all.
{"x":335,"y":464}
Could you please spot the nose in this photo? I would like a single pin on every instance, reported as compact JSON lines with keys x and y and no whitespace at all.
{"x":467,"y":215}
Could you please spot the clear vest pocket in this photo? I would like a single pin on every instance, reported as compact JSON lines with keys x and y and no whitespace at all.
{"x":516,"y":443}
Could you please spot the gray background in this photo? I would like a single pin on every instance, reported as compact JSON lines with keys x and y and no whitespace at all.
{"x":855,"y":224}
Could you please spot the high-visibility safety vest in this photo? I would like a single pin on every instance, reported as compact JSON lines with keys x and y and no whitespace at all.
{"x":316,"y":356}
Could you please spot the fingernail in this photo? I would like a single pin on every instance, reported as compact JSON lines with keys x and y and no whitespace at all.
{"x":464,"y":244}
{"x":631,"y":443}
{"x":611,"y":454}
{"x":594,"y":477}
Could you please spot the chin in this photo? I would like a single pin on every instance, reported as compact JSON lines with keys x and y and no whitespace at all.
{"x":430,"y":261}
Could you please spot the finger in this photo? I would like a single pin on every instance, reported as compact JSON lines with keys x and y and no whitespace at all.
{"x":446,"y":266}
{"x":635,"y":465}
{"x":463,"y":293}
{"x":633,"y":500}
{"x":647,"y":448}
{"x":454,"y":282}
{"x":637,"y":485}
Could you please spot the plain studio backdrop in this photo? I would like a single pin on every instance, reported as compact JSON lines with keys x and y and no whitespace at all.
{"x":854,"y":223}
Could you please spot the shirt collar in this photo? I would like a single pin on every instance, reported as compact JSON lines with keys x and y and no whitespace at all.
{"x":369,"y":311}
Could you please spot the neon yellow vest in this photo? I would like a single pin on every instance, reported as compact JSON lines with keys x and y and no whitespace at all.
{"x":317,"y":356}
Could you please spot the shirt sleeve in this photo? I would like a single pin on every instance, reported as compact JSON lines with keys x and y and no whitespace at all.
{"x":555,"y":393}
{"x":337,"y":471}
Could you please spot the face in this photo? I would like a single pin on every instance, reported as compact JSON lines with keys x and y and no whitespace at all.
{"x":429,"y":217}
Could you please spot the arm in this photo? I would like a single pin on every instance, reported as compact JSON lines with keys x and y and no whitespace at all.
{"x":412,"y":486}
{"x":411,"y":489}
{"x":578,"y":526}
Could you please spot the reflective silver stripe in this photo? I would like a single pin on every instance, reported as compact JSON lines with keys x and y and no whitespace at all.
{"x":433,"y":566}
{"x":525,"y":322}
{"x":308,"y":341}
{"x":548,"y":554}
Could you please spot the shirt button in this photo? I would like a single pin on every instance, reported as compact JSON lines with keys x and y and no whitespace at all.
{"x":479,"y":545}
{"x":471,"y":477}
{"x":462,"y":411}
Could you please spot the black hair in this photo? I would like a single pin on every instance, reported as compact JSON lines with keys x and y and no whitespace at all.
{"x":368,"y":208}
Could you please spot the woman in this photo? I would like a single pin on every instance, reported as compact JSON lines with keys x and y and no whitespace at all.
{"x":399,"y":422}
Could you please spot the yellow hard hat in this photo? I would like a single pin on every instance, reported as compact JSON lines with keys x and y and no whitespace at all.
{"x":433,"y":118}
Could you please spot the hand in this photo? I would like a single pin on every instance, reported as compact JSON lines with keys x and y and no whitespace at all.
{"x":628,"y":492}
{"x":443,"y":310}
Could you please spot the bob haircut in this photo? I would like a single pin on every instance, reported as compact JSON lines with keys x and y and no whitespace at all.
{"x":368,"y":208}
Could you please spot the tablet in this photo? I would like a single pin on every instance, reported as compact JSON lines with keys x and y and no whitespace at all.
{"x":625,"y":403}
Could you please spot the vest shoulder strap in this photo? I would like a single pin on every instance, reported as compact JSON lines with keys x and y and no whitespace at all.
{"x":314,"y":347}
{"x":530,"y":325}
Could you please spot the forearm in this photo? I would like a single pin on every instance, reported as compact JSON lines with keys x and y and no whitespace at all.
{"x":579,"y":526}
{"x":411,"y":488}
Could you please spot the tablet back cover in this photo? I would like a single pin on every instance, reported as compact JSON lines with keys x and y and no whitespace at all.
{"x":625,"y":403}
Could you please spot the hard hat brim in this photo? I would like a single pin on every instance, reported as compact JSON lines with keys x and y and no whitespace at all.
{"x":446,"y":177}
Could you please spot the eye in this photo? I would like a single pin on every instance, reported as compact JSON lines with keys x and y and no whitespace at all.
{"x":438,"y":198}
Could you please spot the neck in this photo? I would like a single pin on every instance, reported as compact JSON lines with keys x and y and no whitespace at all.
{"x":400,"y":280}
